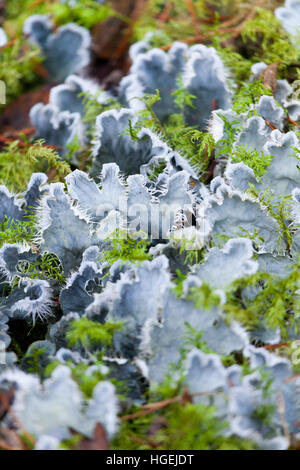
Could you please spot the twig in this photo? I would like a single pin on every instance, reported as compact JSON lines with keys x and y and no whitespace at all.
{"x":202,"y":37}
{"x":41,"y":71}
{"x":151,"y":408}
{"x":164,"y":16}
{"x":6,"y":141}
{"x":192,"y":11}
{"x":271,"y":126}
{"x":292,"y":122}
{"x":16,"y":133}
{"x":8,"y":44}
{"x":198,"y":38}
{"x":234,"y":20}
{"x":5,"y":446}
{"x":35,"y":4}
{"x":235,"y":31}
{"x":276,"y":346}
{"x":186,"y":397}
{"x":249,"y":17}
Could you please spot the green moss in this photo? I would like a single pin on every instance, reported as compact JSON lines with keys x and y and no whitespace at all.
{"x":92,"y":107}
{"x":237,"y":66}
{"x":88,"y":333}
{"x":279,"y":207}
{"x":71,"y":443}
{"x":193,"y":427}
{"x":17,"y":68}
{"x":14,"y":231}
{"x":178,"y":25}
{"x":244,"y":101}
{"x":126,"y":248}
{"x":276,"y":303}
{"x":248,"y":95}
{"x":34,"y":361}
{"x":180,"y":426}
{"x":196,"y":146}
{"x":85,"y":13}
{"x":264,"y":413}
{"x":15,"y":9}
{"x":254,"y":159}
{"x":19,"y":161}
{"x":204,"y":297}
{"x":193,"y":339}
{"x":182,"y":97}
{"x":47,"y":266}
{"x":272,"y":43}
{"x":87,"y":381}
{"x":183,"y":424}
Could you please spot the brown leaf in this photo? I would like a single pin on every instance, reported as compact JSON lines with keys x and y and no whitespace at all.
{"x":157,"y":424}
{"x":6,"y":399}
{"x":10,"y":440}
{"x":13,"y":135}
{"x":99,"y":440}
{"x":111,"y":38}
{"x":269,"y":76}
{"x":41,"y":71}
{"x":16,"y":114}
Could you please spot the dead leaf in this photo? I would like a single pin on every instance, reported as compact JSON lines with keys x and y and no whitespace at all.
{"x":6,"y":399}
{"x":99,"y":440}
{"x":269,"y":76}
{"x":10,"y":440}
{"x":111,"y":38}
{"x":15,"y":116}
{"x":157,"y":424}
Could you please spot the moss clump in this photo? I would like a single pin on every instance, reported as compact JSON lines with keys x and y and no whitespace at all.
{"x":19,"y":159}
{"x":18,"y":63}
